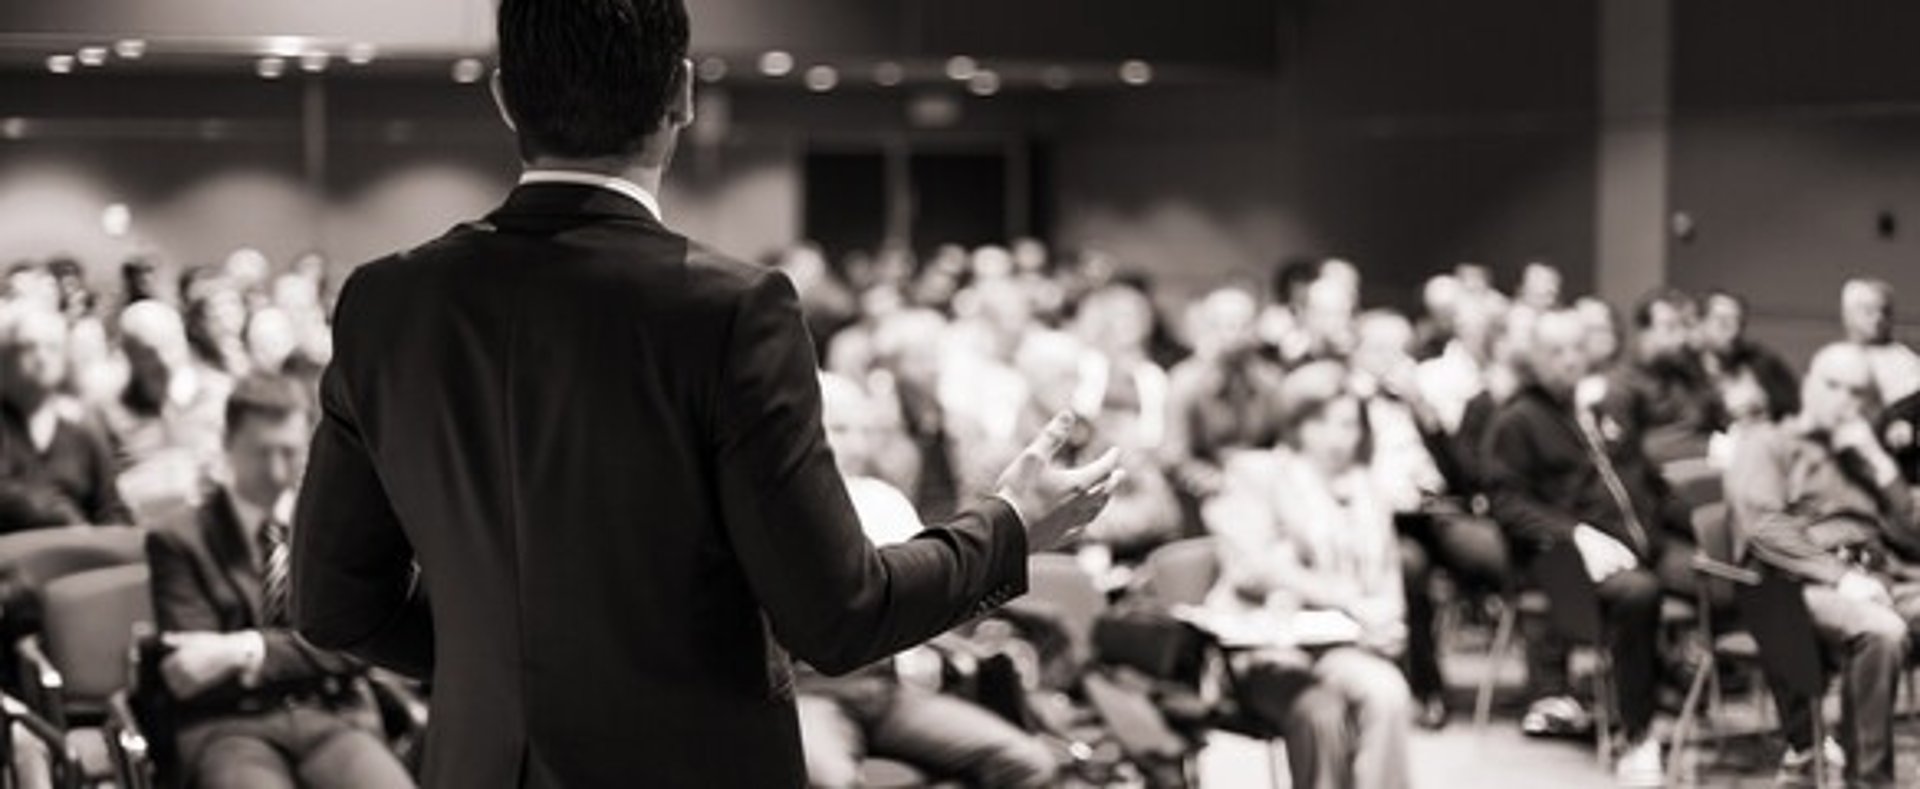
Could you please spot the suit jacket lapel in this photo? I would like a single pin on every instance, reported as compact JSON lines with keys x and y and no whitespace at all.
{"x":228,"y":543}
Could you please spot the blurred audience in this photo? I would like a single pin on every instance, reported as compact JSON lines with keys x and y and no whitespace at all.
{"x":1866,"y":314}
{"x":55,"y":468}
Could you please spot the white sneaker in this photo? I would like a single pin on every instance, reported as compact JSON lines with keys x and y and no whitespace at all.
{"x":1797,"y":766}
{"x":1641,"y":765}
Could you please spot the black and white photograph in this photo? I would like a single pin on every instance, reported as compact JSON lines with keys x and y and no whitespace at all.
{"x":960,"y":394}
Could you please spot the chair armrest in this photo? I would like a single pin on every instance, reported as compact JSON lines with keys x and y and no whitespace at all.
{"x":131,"y":751}
{"x":41,"y":680}
{"x":1714,"y":568}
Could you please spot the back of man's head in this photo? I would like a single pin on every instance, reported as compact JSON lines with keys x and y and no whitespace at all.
{"x":590,"y":78}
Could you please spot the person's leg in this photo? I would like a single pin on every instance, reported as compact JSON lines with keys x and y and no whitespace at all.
{"x":352,"y":758}
{"x":951,"y":736}
{"x":1630,"y":602}
{"x":1473,"y":550}
{"x":32,"y":760}
{"x":1380,"y":705}
{"x":1319,"y":739}
{"x":1872,"y":642}
{"x":240,"y":761}
{"x":1423,"y":649}
{"x":830,"y":741}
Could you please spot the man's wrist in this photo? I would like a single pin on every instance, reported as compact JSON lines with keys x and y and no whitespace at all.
{"x":1018,"y":513}
{"x":251,"y":655}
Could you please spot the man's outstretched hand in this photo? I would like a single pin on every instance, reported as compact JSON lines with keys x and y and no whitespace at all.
{"x":1058,"y":502}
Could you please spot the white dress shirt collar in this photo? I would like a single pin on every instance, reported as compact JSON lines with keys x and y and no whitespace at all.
{"x":613,"y":183}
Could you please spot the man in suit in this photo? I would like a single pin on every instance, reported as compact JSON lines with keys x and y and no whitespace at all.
{"x":253,"y":703}
{"x":596,"y":448}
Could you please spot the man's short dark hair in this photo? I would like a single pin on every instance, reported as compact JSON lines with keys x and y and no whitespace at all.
{"x":1678,"y":299}
{"x":268,"y":398}
{"x":589,"y":78}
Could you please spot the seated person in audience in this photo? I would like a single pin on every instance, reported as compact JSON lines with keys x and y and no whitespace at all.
{"x":1726,"y":351}
{"x":1866,"y":313}
{"x":1301,"y":527}
{"x":1817,"y":498}
{"x":55,"y":470}
{"x":254,"y":705}
{"x":842,"y":719}
{"x":1560,"y":470}
{"x":1440,"y":299}
{"x":1219,"y":399}
{"x":166,"y":425}
{"x":216,"y":320}
{"x":1603,"y":331}
{"x":1539,"y":288}
{"x":1420,"y":473}
{"x":1898,"y":426}
{"x":1660,"y":392}
{"x":907,"y":348}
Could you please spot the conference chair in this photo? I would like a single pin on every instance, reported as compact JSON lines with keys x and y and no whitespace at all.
{"x":29,"y":560}
{"x":1181,"y":574}
{"x":77,"y":664}
{"x":1726,"y":644}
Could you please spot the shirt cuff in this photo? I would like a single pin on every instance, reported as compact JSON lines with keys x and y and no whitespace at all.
{"x":1012,"y":506}
{"x":253,"y":656}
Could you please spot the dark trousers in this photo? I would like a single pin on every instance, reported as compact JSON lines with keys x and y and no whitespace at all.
{"x":1870,"y":642}
{"x":1345,"y":714}
{"x":298,"y":746}
{"x":1630,"y":607}
{"x":1473,"y":551}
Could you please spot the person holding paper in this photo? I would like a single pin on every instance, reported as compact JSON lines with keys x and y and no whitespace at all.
{"x":1304,"y":537}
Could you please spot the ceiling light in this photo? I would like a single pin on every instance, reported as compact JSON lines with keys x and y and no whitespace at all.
{"x":467,"y":71}
{"x":888,"y":74}
{"x":713,"y":69}
{"x":961,"y":68}
{"x":1056,"y":77}
{"x":360,"y":54}
{"x":286,"y":46}
{"x":13,"y":128}
{"x":1136,"y":72}
{"x":93,"y":56}
{"x":59,"y":64}
{"x":270,"y":67}
{"x":313,"y":62}
{"x":777,"y":63}
{"x":130,"y":48}
{"x":984,"y":83}
{"x":821,"y":79}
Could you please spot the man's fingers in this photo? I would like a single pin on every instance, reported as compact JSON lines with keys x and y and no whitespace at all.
{"x":1087,"y":476}
{"x":1053,"y":437}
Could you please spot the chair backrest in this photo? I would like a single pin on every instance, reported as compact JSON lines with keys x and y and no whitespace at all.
{"x":34,"y":558}
{"x":1695,"y":482}
{"x":1057,"y":581}
{"x":89,"y":631}
{"x":1713,"y":531}
{"x":1181,"y":573}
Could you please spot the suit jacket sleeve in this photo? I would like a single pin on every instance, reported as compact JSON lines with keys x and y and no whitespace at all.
{"x":355,"y":587}
{"x":831,"y":597}
{"x":181,"y":605}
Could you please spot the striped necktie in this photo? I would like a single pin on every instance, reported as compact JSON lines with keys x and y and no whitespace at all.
{"x":273,"y":587}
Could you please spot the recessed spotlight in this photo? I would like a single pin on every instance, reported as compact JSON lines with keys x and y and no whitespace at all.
{"x":1056,"y":77}
{"x":888,"y":74}
{"x":467,"y":71}
{"x":314,"y":62}
{"x":360,"y":54}
{"x":961,"y":68}
{"x":130,"y":48}
{"x":116,"y":219}
{"x":60,"y":64}
{"x":984,"y":83}
{"x":13,"y":128}
{"x":713,"y":69}
{"x":270,"y":67}
{"x":1136,"y":72}
{"x":92,"y":56}
{"x":821,"y":79}
{"x":777,"y":63}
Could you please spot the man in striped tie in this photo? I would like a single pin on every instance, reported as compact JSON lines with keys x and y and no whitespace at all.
{"x":254,"y":704}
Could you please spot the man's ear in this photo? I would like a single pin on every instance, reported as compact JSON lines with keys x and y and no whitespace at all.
{"x":680,"y":112}
{"x":500,"y":102}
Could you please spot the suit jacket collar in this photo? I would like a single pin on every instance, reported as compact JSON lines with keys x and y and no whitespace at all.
{"x":541,"y":203}
{"x":227,"y":541}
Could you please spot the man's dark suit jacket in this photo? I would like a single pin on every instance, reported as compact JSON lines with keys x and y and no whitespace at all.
{"x":206,"y":578}
{"x":601,"y":447}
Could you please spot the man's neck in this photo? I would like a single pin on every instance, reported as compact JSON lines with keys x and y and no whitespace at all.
{"x":646,"y":176}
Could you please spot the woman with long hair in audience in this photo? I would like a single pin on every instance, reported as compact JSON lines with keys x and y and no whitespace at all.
{"x":1308,"y":549}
